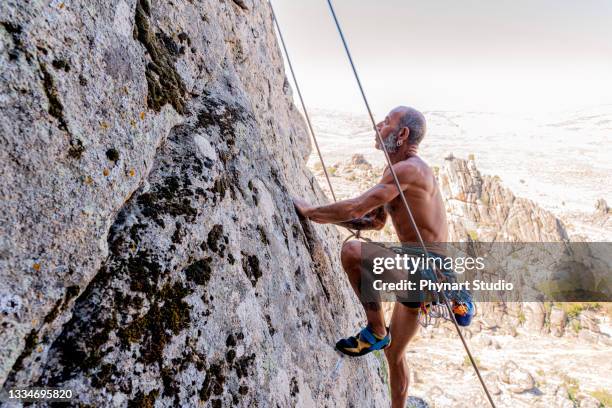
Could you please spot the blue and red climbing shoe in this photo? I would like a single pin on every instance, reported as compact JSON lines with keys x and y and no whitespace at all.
{"x":463,"y":311}
{"x":363,"y":343}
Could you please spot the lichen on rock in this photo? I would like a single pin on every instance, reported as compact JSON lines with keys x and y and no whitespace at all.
{"x":164,"y":83}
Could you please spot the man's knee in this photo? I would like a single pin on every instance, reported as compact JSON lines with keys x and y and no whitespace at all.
{"x":395,"y":355}
{"x":350,"y":252}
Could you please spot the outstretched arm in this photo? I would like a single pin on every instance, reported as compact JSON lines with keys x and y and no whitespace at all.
{"x":354,"y":208}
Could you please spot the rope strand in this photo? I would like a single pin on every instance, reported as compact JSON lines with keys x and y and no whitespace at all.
{"x":395,"y":178}
{"x":297,"y":88}
{"x":307,"y":117}
{"x":403,"y":197}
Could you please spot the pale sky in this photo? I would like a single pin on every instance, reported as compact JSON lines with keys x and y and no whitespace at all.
{"x":479,"y":55}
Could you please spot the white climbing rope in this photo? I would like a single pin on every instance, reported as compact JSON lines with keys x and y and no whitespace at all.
{"x":405,"y":202}
{"x":447,"y":314}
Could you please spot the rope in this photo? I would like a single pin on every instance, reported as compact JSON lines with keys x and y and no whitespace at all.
{"x":405,"y":202}
{"x":352,"y":233}
{"x":437,"y":313}
{"x":299,"y":92}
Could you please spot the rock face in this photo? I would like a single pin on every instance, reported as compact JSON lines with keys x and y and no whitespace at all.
{"x":558,"y":319}
{"x":518,"y":380}
{"x":603,"y":214}
{"x":149,"y":249}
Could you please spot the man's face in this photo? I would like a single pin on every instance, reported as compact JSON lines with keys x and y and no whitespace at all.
{"x":388,"y":130}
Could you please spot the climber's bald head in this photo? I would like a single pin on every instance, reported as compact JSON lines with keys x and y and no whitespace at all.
{"x":403,"y":126}
{"x":411,"y":119}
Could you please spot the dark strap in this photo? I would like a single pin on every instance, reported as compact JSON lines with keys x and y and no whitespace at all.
{"x":367,"y":335}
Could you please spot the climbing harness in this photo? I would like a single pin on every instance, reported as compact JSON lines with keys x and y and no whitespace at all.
{"x":357,"y":235}
{"x":449,"y":313}
{"x":463,"y":313}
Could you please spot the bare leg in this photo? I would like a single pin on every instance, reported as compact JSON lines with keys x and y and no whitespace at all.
{"x":404,"y":325}
{"x":351,"y":262}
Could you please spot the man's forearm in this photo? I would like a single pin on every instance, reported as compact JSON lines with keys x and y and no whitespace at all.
{"x":374,"y":220}
{"x":359,"y":224}
{"x":340,"y":211}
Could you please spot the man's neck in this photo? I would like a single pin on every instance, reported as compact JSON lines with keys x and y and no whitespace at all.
{"x":403,"y":153}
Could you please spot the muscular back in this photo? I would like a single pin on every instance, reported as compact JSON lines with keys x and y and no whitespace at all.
{"x":425,"y":200}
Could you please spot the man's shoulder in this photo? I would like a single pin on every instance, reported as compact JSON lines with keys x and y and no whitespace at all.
{"x":412,"y":164}
{"x":412,"y":169}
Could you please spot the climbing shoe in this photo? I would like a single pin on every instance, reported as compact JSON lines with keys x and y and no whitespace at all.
{"x":463,"y":311}
{"x":363,"y":342}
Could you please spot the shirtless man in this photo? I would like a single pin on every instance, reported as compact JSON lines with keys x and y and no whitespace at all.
{"x":402,"y":131}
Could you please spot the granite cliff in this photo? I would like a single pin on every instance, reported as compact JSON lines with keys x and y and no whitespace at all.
{"x":149,"y":250}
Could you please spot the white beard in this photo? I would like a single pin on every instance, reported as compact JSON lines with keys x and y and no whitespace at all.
{"x":391,"y":142}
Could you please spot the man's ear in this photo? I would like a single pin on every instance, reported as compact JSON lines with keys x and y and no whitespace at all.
{"x":403,"y":135}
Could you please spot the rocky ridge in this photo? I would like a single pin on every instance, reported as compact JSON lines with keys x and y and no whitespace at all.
{"x":149,"y":252}
{"x":479,"y":207}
